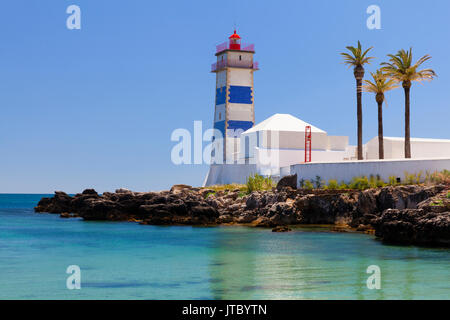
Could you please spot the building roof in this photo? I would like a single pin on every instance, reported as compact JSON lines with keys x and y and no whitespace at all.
{"x":283,"y":122}
{"x":412,"y":139}
{"x":234,"y":36}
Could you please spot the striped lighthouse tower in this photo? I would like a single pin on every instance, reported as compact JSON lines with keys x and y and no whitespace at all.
{"x":234,"y":107}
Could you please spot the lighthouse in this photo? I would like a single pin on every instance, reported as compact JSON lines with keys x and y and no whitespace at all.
{"x":234,"y":103}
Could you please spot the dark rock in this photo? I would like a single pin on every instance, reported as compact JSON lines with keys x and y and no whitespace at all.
{"x":225,"y":219}
{"x":123,"y":190}
{"x":253,"y":201}
{"x":59,"y":203}
{"x":180,"y":188}
{"x":204,"y":210}
{"x":367,"y":202}
{"x":90,"y":191}
{"x":287,"y":181}
{"x":325,"y":209}
{"x":281,"y":229}
{"x":247,"y":217}
{"x":405,"y":197}
{"x":414,"y":226}
{"x":68,"y":215}
{"x":100,"y":209}
{"x":206,"y":192}
{"x":403,"y":214}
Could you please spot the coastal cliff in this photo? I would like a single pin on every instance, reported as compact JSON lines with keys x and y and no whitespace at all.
{"x":401,"y":214}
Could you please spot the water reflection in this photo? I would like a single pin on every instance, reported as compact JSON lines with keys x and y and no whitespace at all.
{"x":246,"y":264}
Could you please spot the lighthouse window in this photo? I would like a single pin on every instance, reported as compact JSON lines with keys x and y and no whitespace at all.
{"x":240,"y":58}
{"x":220,"y":116}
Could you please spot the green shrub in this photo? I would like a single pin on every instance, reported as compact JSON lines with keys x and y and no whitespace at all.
{"x":332,"y":184}
{"x":419,"y":177}
{"x":448,"y":194}
{"x":241,"y":194}
{"x":359,"y":183}
{"x":343,"y":186}
{"x":380,"y":183}
{"x":209,"y":194}
{"x":410,"y":178}
{"x":437,"y":203}
{"x":392,"y":180}
{"x":439,"y":177}
{"x":372,"y":181}
{"x":227,"y":187}
{"x":258,"y":183}
{"x":318,"y":183}
{"x":302,"y":183}
{"x":308,"y":185}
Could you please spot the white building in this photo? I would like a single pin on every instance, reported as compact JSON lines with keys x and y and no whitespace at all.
{"x":276,"y":146}
{"x":279,"y":141}
{"x":394,"y":148}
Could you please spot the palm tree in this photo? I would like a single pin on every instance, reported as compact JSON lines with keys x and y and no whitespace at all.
{"x":357,"y":59}
{"x":401,"y":69}
{"x":379,"y":86}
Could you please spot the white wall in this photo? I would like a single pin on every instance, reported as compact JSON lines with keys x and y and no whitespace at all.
{"x":245,"y":61}
{"x":296,"y":140}
{"x":345,"y":171}
{"x":286,"y":157}
{"x":394,"y":148}
{"x":428,"y":149}
{"x":221,"y":79}
{"x":240,"y":111}
{"x":337,"y":143}
{"x":229,"y":173}
{"x":240,"y":77}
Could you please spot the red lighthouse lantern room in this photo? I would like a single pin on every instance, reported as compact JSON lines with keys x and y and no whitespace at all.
{"x":235,"y":41}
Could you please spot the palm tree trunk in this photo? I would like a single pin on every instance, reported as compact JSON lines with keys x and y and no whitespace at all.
{"x":407,"y":124}
{"x":359,"y":116}
{"x":380,"y":131}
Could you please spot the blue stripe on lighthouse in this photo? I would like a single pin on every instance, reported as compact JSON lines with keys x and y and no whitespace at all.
{"x":235,"y":128}
{"x":221,"y":95}
{"x":240,"y":94}
{"x":220,"y":125}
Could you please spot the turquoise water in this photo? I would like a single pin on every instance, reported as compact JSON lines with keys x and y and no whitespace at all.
{"x":130,"y":261}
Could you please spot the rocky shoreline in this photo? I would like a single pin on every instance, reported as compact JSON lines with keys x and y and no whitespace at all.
{"x":413,"y":214}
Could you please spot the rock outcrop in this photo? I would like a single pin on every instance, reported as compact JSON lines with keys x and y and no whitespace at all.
{"x":427,"y":224}
{"x":405,"y":214}
{"x":287,"y":181}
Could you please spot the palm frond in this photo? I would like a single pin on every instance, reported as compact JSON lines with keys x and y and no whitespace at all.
{"x":401,"y":68}
{"x":381,"y":83}
{"x":356,"y":57}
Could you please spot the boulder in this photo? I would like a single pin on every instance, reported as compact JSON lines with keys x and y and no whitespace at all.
{"x":253,"y":201}
{"x":287,"y":181}
{"x":281,"y":229}
{"x":123,"y":190}
{"x":414,"y":226}
{"x":178,"y":188}
{"x":90,"y":192}
{"x":367,"y":202}
{"x":61,"y":202}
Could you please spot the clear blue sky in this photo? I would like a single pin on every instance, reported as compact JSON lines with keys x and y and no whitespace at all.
{"x":95,"y":107}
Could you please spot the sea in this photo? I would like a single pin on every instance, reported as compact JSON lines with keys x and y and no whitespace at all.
{"x":125,"y":260}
